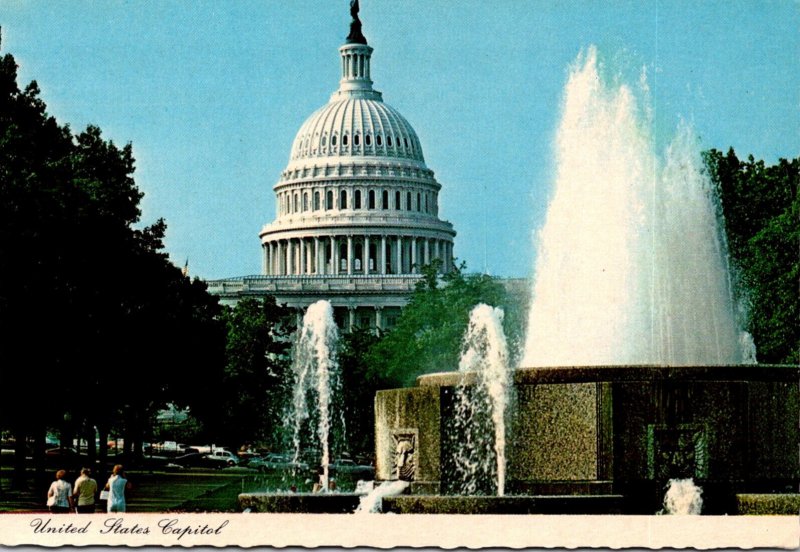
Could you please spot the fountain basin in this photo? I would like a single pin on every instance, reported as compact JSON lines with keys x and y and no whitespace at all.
{"x":300,"y":503}
{"x":621,"y":430}
{"x":546,"y":505}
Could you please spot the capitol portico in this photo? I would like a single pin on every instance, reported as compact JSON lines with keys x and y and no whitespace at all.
{"x":356,"y":208}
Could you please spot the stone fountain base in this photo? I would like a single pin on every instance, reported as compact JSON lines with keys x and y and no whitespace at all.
{"x":300,"y":503}
{"x":617,"y":430}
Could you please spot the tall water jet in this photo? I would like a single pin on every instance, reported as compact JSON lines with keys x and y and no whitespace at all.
{"x":632,"y":262}
{"x":481,"y":403}
{"x":316,"y":383}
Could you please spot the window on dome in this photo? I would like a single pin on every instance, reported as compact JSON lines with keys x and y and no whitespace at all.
{"x":296,"y":201}
{"x":356,"y":140}
{"x":372,"y":199}
{"x":368,"y":140}
{"x":343,"y":199}
{"x":329,"y":200}
{"x":323,"y":141}
{"x":389,"y":140}
{"x":405,"y":141}
{"x":357,"y":200}
{"x":408,"y":201}
{"x":398,"y":202}
{"x":333,"y":140}
{"x":385,"y":198}
{"x":316,"y":201}
{"x":378,"y":140}
{"x":344,"y":140}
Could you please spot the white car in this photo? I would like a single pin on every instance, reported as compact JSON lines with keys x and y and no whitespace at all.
{"x":223,"y":457}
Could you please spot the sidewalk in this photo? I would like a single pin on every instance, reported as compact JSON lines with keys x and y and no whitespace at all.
{"x":151,"y":492}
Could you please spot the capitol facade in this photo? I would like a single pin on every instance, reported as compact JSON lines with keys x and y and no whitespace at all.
{"x":357,"y":209}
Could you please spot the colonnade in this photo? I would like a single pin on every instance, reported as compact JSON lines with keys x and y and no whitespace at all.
{"x":354,"y":254}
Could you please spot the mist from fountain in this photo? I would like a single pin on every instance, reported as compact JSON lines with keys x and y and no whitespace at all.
{"x":481,"y":405}
{"x":631,"y":261}
{"x":683,"y":497}
{"x":316,"y":384}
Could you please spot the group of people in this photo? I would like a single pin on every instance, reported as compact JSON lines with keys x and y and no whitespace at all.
{"x":62,"y":497}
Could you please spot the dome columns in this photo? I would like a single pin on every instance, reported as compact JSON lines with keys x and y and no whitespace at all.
{"x":355,"y":255}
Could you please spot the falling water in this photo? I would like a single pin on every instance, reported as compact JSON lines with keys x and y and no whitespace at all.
{"x":632,"y":262}
{"x":372,"y":501}
{"x":481,"y":406}
{"x":316,"y":381}
{"x":683,"y":497}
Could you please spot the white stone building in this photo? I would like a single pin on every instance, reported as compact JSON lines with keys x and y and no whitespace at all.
{"x":357,"y":208}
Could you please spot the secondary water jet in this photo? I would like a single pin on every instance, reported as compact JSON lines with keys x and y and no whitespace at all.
{"x":481,"y":400}
{"x":316,"y":384}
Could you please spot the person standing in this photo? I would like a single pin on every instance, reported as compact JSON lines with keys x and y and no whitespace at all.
{"x":116,"y":486}
{"x":59,"y":496}
{"x":85,"y":491}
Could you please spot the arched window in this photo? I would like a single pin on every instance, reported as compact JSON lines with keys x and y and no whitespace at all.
{"x":305,"y":201}
{"x":426,"y":203}
{"x":385,"y":198}
{"x":316,"y":201}
{"x":398,"y":202}
{"x":323,"y":141}
{"x":333,"y":140}
{"x":419,"y":202}
{"x":379,"y":140}
{"x":344,"y":140}
{"x":408,"y":201}
{"x":368,"y":140}
{"x":343,"y":199}
{"x":389,"y":140}
{"x":357,"y":200}
{"x":296,"y":201}
{"x":356,"y":140}
{"x":329,"y":200}
{"x":405,"y":142}
{"x":371,"y":199}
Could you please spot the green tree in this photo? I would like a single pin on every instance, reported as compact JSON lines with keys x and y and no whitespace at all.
{"x":430,"y":330}
{"x":761,"y":211}
{"x":360,"y":382}
{"x":97,"y":327}
{"x":252,"y":394}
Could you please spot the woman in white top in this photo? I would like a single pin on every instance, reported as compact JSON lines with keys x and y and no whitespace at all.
{"x":116,"y":489}
{"x":59,"y":496}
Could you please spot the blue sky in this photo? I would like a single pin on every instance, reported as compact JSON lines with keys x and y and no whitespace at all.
{"x":211,"y":93}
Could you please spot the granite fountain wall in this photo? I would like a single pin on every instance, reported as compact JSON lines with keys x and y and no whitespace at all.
{"x":617,"y":430}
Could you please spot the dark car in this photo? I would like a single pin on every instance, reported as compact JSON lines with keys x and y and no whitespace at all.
{"x":275,"y":461}
{"x":191,"y":460}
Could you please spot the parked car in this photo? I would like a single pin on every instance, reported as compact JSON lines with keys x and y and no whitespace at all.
{"x":222,"y":458}
{"x":191,"y":460}
{"x":275,"y":461}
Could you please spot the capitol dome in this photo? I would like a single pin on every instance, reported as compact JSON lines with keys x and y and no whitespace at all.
{"x":357,"y":209}
{"x":356,"y":127}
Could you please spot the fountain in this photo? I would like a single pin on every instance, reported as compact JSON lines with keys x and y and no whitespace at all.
{"x":635,"y":371}
{"x":316,"y":383}
{"x":683,"y":497}
{"x":481,"y":398}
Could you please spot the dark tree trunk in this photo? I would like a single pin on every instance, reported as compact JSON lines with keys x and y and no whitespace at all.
{"x":19,"y":479}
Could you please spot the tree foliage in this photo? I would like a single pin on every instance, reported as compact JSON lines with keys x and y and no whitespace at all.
{"x":430,"y":330}
{"x":97,"y":328}
{"x":251,"y":396}
{"x":761,"y":210}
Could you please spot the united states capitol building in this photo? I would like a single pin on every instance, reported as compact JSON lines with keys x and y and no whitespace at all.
{"x":357,"y":209}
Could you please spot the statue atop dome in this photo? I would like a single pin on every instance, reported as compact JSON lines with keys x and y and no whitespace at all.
{"x":355,"y":36}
